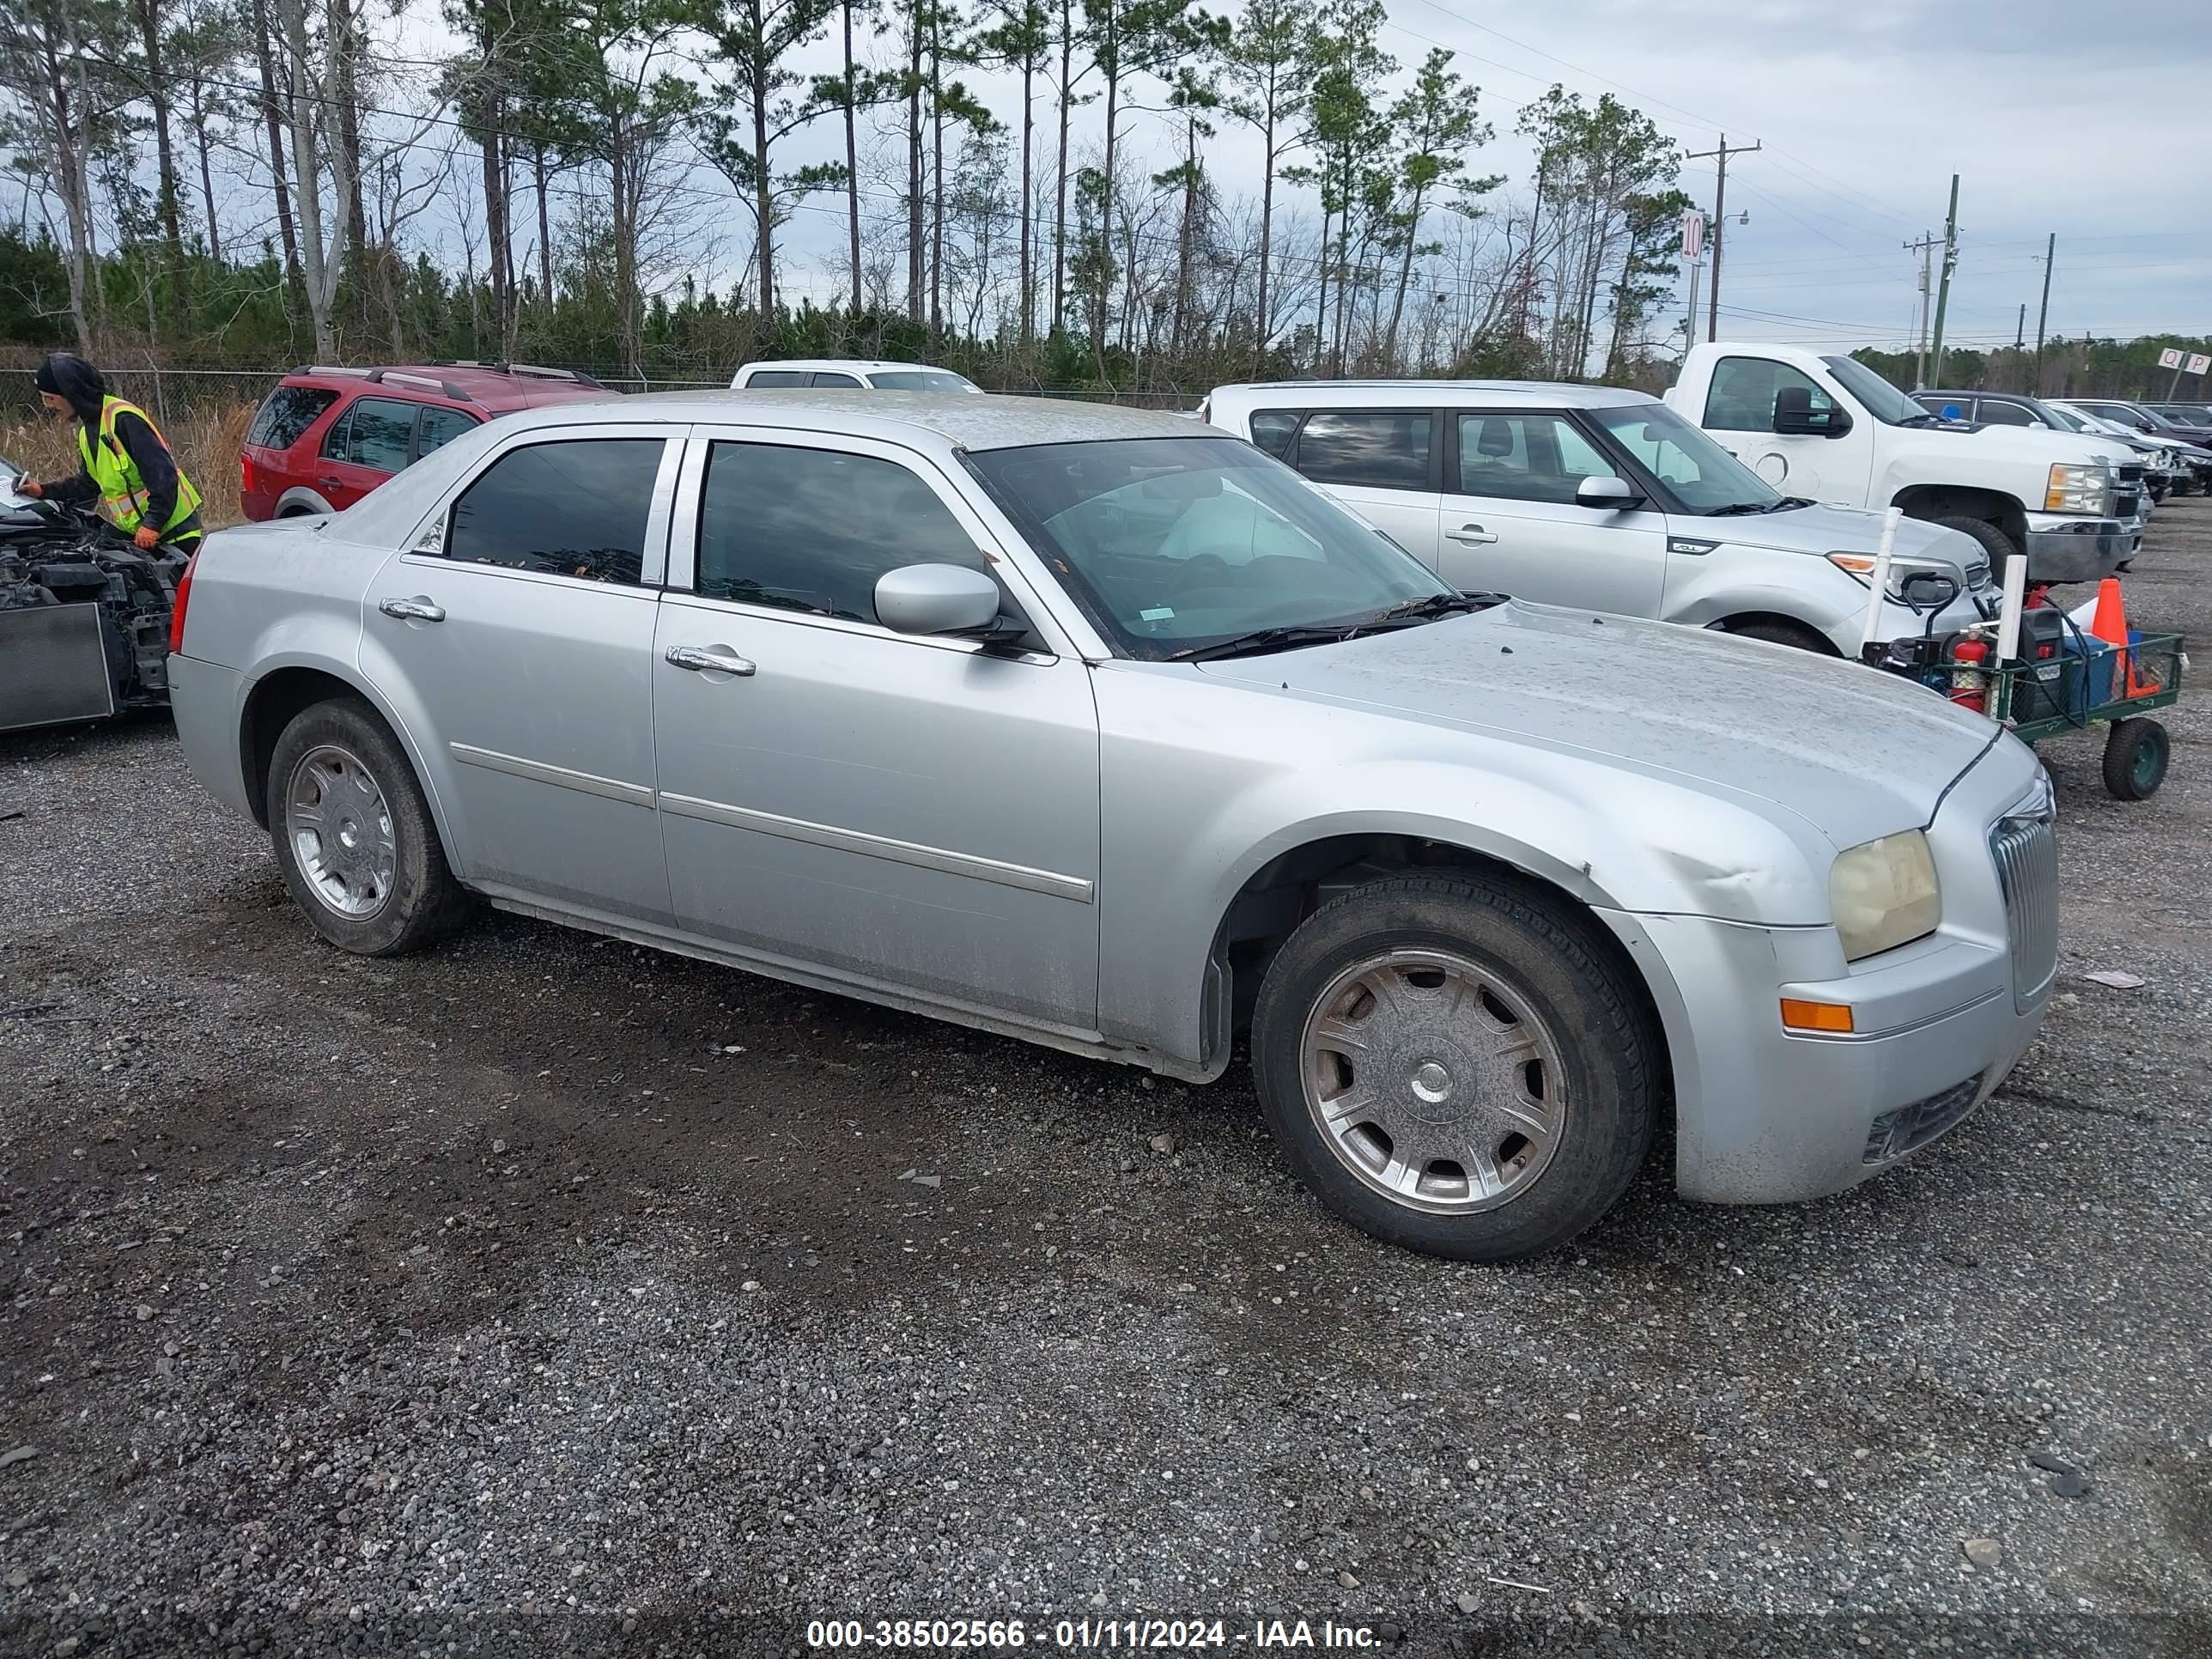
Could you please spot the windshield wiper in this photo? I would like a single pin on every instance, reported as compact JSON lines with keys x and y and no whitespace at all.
{"x":1427,"y":608}
{"x":1791,"y":503}
{"x":1260,"y":640}
{"x":1735,"y":508}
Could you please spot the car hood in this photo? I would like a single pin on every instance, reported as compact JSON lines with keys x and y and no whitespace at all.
{"x":1852,"y":752}
{"x":2035,"y":445}
{"x":1832,"y":530}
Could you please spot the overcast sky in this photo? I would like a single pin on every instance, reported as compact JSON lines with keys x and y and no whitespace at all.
{"x":2059,"y":115}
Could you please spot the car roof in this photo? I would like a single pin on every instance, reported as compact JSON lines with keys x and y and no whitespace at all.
{"x":486,"y":386}
{"x":1531,"y":394}
{"x":863,"y":364}
{"x":960,"y":420}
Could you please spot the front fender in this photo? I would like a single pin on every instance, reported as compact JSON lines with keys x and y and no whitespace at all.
{"x":1704,"y":602}
{"x":1191,"y":817}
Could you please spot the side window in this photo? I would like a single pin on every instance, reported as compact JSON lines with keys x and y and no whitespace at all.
{"x":812,"y":528}
{"x":440,"y":427}
{"x":1525,"y":457}
{"x":1384,"y":449}
{"x":1995,"y":412}
{"x":574,"y":507}
{"x":822,"y":377}
{"x":763,"y":379}
{"x":284,"y":418}
{"x":1742,"y":395}
{"x":1274,"y":428}
{"x":375,"y":433}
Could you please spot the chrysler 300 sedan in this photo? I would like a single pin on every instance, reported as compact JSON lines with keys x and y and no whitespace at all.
{"x":1091,"y":727}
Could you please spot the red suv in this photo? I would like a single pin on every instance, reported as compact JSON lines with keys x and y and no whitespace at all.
{"x":326,"y":437}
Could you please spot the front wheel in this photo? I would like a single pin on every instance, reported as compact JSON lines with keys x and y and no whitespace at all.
{"x":1457,"y":1064}
{"x":354,"y":835}
{"x":2001,"y":548}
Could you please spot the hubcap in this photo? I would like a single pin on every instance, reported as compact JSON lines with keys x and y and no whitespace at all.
{"x":1434,"y":1080}
{"x":340,"y":829}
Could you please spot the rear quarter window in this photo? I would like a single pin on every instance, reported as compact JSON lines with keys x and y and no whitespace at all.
{"x":1274,"y":428}
{"x":285,"y":416}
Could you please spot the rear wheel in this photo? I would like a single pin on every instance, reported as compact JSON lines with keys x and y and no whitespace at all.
{"x":2135,"y":753}
{"x":354,"y":835}
{"x":1457,"y":1064}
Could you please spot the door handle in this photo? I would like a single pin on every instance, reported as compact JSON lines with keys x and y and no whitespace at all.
{"x":1471,"y":534}
{"x":709,"y":659}
{"x":332,"y":484}
{"x":417,"y":609}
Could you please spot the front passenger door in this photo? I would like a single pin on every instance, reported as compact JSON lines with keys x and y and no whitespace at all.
{"x":1510,"y":524}
{"x":909,"y":812}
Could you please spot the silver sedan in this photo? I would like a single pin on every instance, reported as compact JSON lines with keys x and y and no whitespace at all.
{"x":1094,"y":728}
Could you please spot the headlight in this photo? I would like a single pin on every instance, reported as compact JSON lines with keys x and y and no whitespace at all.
{"x":2076,"y":489}
{"x":1883,"y":893}
{"x":1859,"y":566}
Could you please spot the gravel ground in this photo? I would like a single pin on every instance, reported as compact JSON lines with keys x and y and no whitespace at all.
{"x":544,"y":1295}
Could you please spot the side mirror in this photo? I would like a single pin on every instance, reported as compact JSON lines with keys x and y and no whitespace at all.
{"x":1795,"y":416}
{"x":937,"y":599}
{"x":1607,"y":495}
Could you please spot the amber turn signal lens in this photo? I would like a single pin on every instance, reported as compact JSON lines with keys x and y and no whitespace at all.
{"x":1798,"y":1015}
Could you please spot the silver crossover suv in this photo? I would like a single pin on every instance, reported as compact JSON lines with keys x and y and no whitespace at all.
{"x":1589,"y":495}
{"x":1097,"y":728}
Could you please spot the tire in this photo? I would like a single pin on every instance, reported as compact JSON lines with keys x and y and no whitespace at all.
{"x":2001,"y":548}
{"x":338,"y":779}
{"x":1778,"y":631}
{"x":1515,"y":960}
{"x":2136,"y":750}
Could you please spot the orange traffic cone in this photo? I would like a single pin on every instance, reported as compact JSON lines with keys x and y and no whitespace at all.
{"x":2110,"y":624}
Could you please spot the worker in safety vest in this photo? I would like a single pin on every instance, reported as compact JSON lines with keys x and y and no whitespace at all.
{"x":127,"y":467}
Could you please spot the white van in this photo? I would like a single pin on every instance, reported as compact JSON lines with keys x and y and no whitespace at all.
{"x":1596,"y":497}
{"x":848,"y":374}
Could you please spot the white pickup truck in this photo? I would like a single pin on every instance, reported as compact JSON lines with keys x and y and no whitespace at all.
{"x":1823,"y":425}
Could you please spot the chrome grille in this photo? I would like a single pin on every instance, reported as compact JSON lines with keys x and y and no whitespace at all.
{"x":2026,"y":847}
{"x":2126,"y":503}
{"x":1977,"y":575}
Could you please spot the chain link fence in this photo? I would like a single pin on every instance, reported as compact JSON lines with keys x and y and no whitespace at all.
{"x":171,"y":394}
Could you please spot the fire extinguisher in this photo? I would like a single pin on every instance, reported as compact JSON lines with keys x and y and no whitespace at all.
{"x":1969,"y":676}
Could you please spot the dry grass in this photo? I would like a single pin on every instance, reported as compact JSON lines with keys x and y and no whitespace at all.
{"x":206,"y":443}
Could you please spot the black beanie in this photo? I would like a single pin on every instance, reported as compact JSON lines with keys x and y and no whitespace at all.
{"x":46,"y":381}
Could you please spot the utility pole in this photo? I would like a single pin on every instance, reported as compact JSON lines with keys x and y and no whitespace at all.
{"x":2019,"y":337}
{"x":1720,"y":207}
{"x":2050,"y":258}
{"x":1927,"y":241}
{"x":1950,"y":261}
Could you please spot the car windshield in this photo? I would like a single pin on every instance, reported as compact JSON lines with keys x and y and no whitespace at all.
{"x":1701,"y":475}
{"x":1877,"y":396}
{"x":2069,"y":420}
{"x":1174,"y":544}
{"x":920,"y":379}
{"x":2187,"y":414}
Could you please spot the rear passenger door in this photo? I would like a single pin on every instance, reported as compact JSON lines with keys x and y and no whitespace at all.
{"x":1382,"y":463}
{"x":514,"y":640}
{"x":1510,"y":524}
{"x":371,"y":440}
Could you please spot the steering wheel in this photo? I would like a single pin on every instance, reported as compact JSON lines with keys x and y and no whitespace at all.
{"x":1207,"y":569}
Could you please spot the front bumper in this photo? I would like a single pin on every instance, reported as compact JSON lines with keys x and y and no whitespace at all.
{"x":1765,"y":1116}
{"x":2063,"y":549}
